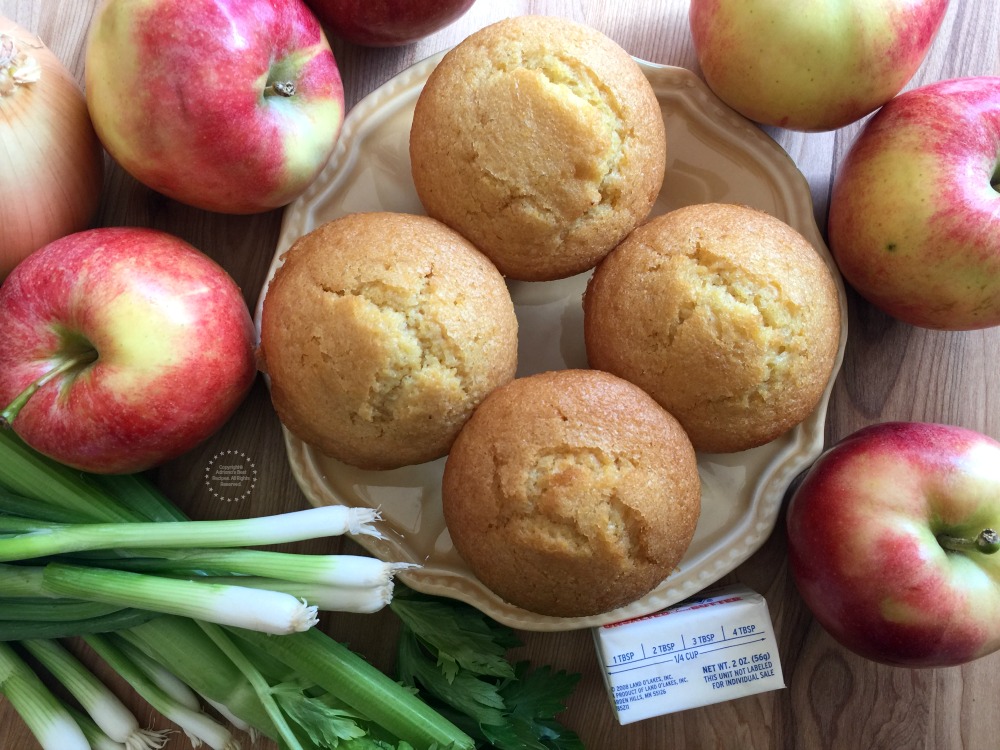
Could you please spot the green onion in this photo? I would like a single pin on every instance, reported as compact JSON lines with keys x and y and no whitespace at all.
{"x":16,"y":525}
{"x":195,"y":724}
{"x":332,"y":570}
{"x":41,"y":711}
{"x":143,"y":499}
{"x":25,"y":472}
{"x":103,"y":706}
{"x":97,"y":739}
{"x":324,"y":598}
{"x":79,"y":513}
{"x":54,"y":539}
{"x":267,"y":611}
{"x":52,"y":610}
{"x":166,"y":680}
{"x":362,"y":687}
{"x":18,"y":630}
{"x":233,"y":719}
{"x":27,"y":507}
{"x":21,"y":580}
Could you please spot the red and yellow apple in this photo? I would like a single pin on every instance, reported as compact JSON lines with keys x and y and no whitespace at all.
{"x":386,"y":23}
{"x":228,"y":105}
{"x":121,"y":348}
{"x":814,"y":64}
{"x":914,"y":219}
{"x":892,"y":536}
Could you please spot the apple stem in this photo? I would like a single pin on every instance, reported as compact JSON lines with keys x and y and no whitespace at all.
{"x":988,"y":542}
{"x":281,"y":88}
{"x":68,"y":364}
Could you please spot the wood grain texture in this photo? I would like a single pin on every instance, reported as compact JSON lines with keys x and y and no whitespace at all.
{"x":892,"y":371}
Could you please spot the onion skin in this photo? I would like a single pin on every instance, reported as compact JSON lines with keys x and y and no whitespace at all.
{"x":51,"y":162}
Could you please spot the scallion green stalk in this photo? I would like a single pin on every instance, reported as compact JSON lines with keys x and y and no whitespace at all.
{"x":266,"y":611}
{"x":232,"y":718}
{"x":18,"y":630}
{"x":324,"y":598}
{"x":41,"y":711}
{"x":25,"y":472}
{"x":166,"y":680}
{"x":97,"y":739}
{"x":297,"y":526}
{"x":332,"y":570}
{"x":52,"y":610}
{"x":103,"y":706}
{"x":21,"y":580}
{"x":194,"y":723}
{"x":27,"y":507}
{"x":143,"y":499}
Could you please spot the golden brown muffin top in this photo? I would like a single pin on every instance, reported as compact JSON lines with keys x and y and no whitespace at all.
{"x":541,"y":141}
{"x":571,"y":492}
{"x":727,"y":316}
{"x":380,"y":333}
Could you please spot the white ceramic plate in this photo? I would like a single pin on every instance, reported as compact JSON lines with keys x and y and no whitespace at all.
{"x":713,"y":155}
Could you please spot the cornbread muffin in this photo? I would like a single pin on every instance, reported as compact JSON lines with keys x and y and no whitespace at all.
{"x":381,"y":332}
{"x":727,"y":316}
{"x":542,"y":142}
{"x":571,"y":493}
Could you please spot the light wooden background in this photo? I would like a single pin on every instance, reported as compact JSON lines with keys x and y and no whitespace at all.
{"x":891,"y":372}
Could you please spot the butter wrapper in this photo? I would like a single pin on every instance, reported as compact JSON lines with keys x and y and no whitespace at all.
{"x":715,"y":647}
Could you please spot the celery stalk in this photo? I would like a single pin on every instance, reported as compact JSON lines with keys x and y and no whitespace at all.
{"x":178,"y":643}
{"x":366,"y":690}
{"x":260,"y":685}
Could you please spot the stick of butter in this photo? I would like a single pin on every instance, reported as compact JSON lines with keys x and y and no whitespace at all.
{"x":711,"y":648}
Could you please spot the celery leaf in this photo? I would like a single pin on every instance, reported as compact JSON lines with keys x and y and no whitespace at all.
{"x":326,"y":726}
{"x":533,"y":699}
{"x":505,"y":707}
{"x":473,"y":697}
{"x":462,"y":637}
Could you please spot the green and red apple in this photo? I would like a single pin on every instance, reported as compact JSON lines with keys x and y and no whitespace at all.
{"x":121,"y":348}
{"x":227,"y":105}
{"x":815,"y":64}
{"x":914,"y":219}
{"x":892,"y":536}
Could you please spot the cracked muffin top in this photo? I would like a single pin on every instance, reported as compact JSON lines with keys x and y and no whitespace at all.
{"x":571,"y":493}
{"x":380,"y":334}
{"x":542,"y":142}
{"x":726,"y":315}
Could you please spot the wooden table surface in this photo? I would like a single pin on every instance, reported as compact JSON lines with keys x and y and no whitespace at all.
{"x":892,"y":371}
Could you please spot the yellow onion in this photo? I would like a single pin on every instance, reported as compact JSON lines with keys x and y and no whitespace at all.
{"x":51,"y":163}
